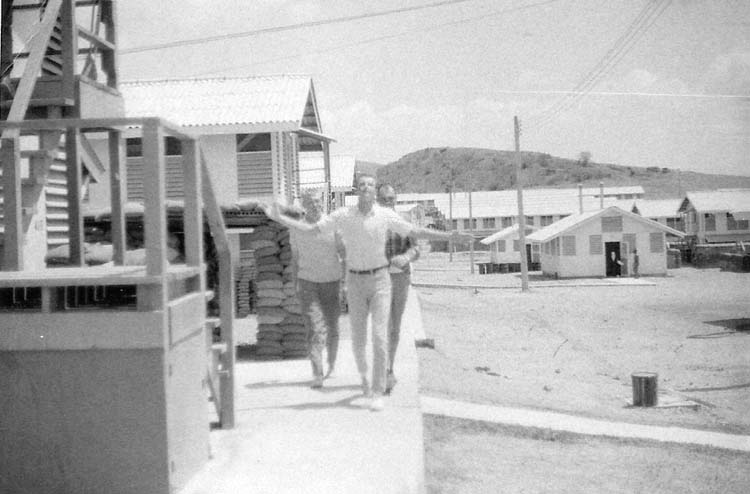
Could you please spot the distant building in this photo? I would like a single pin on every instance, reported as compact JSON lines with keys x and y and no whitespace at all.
{"x":493,"y":210}
{"x":717,"y":216}
{"x":312,"y":175}
{"x":601,"y":243}
{"x":664,"y":211}
{"x":505,"y":246}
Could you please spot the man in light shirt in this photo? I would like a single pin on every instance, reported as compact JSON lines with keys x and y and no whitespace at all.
{"x":318,"y":267}
{"x":364,"y":229}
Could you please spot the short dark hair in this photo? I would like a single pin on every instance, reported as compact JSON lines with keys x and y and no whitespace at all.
{"x":362,"y":175}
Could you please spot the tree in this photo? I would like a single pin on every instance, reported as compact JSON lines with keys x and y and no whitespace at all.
{"x":584,"y":158}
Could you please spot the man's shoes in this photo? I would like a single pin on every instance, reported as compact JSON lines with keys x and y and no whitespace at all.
{"x":366,"y":387}
{"x":390,"y":383}
{"x":317,"y":382}
{"x":377,"y":404}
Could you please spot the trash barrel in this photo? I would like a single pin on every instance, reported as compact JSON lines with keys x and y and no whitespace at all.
{"x":645,"y":389}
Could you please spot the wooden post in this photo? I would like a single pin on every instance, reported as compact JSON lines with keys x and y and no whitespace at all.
{"x":74,"y":177}
{"x":193,"y":212}
{"x":13,"y":244}
{"x":471,"y":229}
{"x":327,"y":175}
{"x":645,"y":386}
{"x":521,"y":217}
{"x":118,"y":189}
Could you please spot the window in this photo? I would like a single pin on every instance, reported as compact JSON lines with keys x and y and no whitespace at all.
{"x":501,"y":245}
{"x":611,"y":224}
{"x":656,"y":242}
{"x":710,"y":222}
{"x":675,"y":223}
{"x":507,"y":221}
{"x":568,"y":245}
{"x":454,"y":224}
{"x":516,"y":245}
{"x":488,"y":222}
{"x":248,"y":143}
{"x":529,"y":220}
{"x":545,"y":220}
{"x":595,"y":245}
{"x":733,"y":224}
{"x":468,"y":224}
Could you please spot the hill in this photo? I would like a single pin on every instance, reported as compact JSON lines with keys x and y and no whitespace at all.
{"x":429,"y":170}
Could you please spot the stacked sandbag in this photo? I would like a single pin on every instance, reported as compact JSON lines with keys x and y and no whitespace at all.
{"x":244,"y":291}
{"x":281,"y":329}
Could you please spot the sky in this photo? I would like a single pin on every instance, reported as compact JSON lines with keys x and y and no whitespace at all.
{"x":455,"y":73}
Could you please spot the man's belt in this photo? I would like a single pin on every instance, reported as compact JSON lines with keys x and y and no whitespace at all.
{"x":367,"y":271}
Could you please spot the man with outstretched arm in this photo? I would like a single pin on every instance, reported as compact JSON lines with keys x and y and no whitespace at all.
{"x":364,"y":229}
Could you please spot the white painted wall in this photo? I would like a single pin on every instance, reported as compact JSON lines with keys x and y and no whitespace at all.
{"x":221,"y":156}
{"x":584,"y":264}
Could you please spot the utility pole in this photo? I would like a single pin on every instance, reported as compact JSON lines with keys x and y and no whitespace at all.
{"x":471,"y":229}
{"x":521,"y":217}
{"x":450,"y":220}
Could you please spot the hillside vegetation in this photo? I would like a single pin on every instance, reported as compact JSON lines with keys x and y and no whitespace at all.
{"x":430,"y":170}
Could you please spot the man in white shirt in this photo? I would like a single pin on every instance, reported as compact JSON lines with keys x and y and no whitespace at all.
{"x":364,"y":230}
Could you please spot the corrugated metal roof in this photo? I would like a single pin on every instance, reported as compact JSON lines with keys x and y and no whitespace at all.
{"x":282,"y":99}
{"x":658,"y":208}
{"x":511,"y":231}
{"x":729,"y":200}
{"x":536,"y":202}
{"x":568,"y":223}
{"x":312,"y":174}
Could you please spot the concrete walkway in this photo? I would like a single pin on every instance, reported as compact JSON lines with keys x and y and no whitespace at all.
{"x":290,"y":438}
{"x":581,"y":425}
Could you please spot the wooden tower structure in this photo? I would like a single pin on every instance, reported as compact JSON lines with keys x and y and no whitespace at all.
{"x":104,"y":369}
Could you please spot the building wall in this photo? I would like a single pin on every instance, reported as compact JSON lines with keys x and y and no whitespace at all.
{"x":584,"y":264}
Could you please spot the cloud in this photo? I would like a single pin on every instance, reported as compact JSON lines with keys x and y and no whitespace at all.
{"x":729,"y":73}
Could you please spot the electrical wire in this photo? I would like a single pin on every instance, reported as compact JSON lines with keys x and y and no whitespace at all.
{"x":382,"y":38}
{"x":288,"y":27}
{"x":648,"y":15}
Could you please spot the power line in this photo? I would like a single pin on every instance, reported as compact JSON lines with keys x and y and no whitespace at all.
{"x":648,"y":15}
{"x":288,"y":27}
{"x":388,"y":36}
{"x":605,"y":64}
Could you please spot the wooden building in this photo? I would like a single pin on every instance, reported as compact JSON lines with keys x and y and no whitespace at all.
{"x":313,"y":177}
{"x":601,"y":243}
{"x":717,"y":216}
{"x":494,"y":210}
{"x":664,"y":211}
{"x":505,"y":246}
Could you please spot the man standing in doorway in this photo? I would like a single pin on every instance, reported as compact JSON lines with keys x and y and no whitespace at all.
{"x":364,"y":229}
{"x":401,"y":252}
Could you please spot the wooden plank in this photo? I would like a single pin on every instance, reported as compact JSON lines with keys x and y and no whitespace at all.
{"x":109,"y":58}
{"x":226,"y":296}
{"x":155,"y":220}
{"x":187,"y":315}
{"x":91,"y":159}
{"x":95,"y":39}
{"x":193,"y":212}
{"x":74,"y":177}
{"x":12,"y":197}
{"x":80,"y":330}
{"x":92,"y":124}
{"x":118,"y":192}
{"x":96,"y":275}
{"x":69,"y":49}
{"x":327,"y":175}
{"x":34,"y":64}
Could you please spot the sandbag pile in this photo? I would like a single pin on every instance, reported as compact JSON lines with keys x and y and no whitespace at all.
{"x":244,"y":284}
{"x":281,"y":328}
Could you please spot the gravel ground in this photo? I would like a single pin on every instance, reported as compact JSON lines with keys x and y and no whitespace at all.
{"x":476,"y":457}
{"x":573,"y":349}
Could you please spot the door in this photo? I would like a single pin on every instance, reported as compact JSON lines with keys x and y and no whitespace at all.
{"x":612,"y":258}
{"x":529,"y":260}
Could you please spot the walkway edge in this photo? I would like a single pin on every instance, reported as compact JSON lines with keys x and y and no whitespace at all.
{"x":581,"y":425}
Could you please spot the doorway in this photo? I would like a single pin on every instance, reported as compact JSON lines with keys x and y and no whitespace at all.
{"x":612,"y":258}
